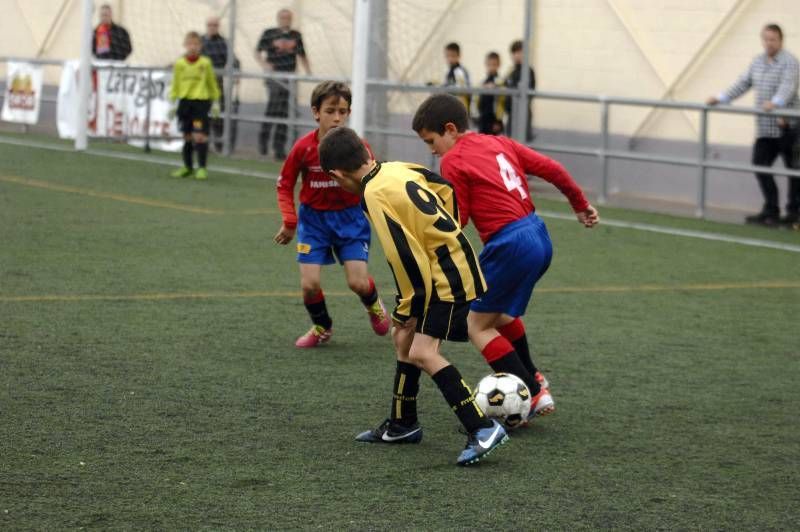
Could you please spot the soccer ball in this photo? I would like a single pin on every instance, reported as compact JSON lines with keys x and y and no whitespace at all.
{"x":504,"y":396}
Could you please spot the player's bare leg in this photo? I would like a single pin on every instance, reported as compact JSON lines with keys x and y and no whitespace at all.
{"x":360,"y":282}
{"x":502,"y":356}
{"x":314,"y":300}
{"x":513,"y":329}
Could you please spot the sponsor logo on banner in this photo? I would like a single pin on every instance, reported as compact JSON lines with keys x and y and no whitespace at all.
{"x":118,"y":105}
{"x":23,"y":94}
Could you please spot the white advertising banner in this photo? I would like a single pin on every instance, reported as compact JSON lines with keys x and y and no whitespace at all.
{"x":118,"y":105}
{"x":23,"y":96}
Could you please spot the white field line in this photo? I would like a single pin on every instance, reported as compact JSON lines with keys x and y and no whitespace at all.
{"x":660,"y":229}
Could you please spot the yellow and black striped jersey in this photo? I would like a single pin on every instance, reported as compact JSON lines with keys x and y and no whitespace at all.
{"x":414,"y":213}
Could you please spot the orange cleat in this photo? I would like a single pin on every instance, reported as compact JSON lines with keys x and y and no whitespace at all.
{"x":542,"y":380}
{"x":542,"y":404}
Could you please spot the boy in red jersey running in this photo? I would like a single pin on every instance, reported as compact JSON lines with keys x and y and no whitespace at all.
{"x":330,"y":222}
{"x":488,"y":174}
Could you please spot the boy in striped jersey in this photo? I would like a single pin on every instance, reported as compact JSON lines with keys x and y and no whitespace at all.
{"x":414,"y":213}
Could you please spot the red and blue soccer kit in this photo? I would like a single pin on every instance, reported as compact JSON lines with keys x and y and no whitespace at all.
{"x":488,"y":174}
{"x":330,"y":222}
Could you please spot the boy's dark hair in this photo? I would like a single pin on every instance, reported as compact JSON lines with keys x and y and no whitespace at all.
{"x":775,"y":28}
{"x":192,"y":35}
{"x":453,"y":47}
{"x":342,"y":149}
{"x":493,"y":55}
{"x":326,"y":89}
{"x":439,"y":109}
{"x":516,"y":46}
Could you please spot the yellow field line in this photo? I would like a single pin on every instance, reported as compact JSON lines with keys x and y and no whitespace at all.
{"x":138,"y":200}
{"x":167,"y":296}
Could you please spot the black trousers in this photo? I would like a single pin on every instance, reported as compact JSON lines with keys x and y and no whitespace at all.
{"x":218,"y":124}
{"x":277,"y":107}
{"x":765,"y":151}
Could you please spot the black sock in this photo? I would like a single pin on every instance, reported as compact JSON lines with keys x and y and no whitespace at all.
{"x":514,"y":332}
{"x":318,"y":310}
{"x":202,"y":154}
{"x":512,"y":363}
{"x":459,"y":397}
{"x":406,"y":388}
{"x":501,"y":356}
{"x":370,"y":299}
{"x":524,"y":352}
{"x":187,"y":154}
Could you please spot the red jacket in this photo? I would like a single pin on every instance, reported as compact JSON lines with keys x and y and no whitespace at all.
{"x":488,"y":174}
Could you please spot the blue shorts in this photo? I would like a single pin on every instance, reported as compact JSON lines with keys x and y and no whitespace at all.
{"x":513,"y":260}
{"x":321,"y":235}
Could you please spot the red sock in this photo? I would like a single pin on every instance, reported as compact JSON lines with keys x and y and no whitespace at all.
{"x":372,"y":296}
{"x":497,"y":349}
{"x":319,"y":297}
{"x":502,"y":357}
{"x":318,"y":310}
{"x":512,"y":331}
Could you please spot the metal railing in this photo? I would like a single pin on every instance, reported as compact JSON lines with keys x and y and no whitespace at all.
{"x":603,"y":152}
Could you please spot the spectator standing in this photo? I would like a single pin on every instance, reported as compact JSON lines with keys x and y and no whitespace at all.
{"x":277,"y":51}
{"x":490,"y":107}
{"x":109,"y":40}
{"x":215,"y":47}
{"x":774,"y":77}
{"x":512,"y":82}
{"x":456,"y":75}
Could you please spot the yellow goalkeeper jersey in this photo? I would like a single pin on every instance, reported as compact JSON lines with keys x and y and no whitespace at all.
{"x":194,"y":80}
{"x":414,"y":213}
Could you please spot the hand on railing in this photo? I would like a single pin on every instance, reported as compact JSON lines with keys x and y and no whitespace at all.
{"x":215,"y":110}
{"x":713,"y":100}
{"x":589,"y":218}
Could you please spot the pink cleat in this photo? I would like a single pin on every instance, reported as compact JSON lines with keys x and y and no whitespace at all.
{"x":316,"y":336}
{"x":378,"y":318}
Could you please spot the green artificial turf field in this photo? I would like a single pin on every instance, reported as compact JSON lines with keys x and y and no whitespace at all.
{"x":148,"y":377}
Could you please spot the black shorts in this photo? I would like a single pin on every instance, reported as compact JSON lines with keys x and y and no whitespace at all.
{"x":193,"y":116}
{"x":445,"y":321}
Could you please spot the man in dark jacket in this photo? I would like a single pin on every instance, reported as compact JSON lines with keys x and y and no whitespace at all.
{"x":278,"y":51}
{"x":109,"y":40}
{"x":512,"y":82}
{"x":216,"y":48}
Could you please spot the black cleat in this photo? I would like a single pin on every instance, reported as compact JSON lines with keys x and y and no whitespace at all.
{"x":792,"y":219}
{"x":763,"y":218}
{"x":389,"y":432}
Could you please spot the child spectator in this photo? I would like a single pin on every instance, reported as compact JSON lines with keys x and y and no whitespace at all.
{"x":490,"y":107}
{"x":456,"y":75}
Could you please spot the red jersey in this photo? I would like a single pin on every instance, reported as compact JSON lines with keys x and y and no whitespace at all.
{"x":488,"y":174}
{"x":319,"y":191}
